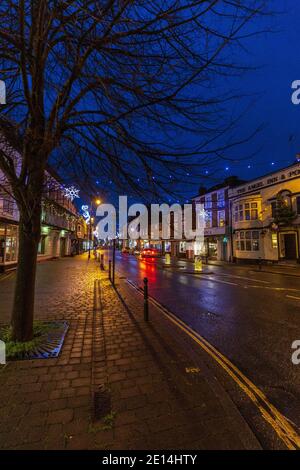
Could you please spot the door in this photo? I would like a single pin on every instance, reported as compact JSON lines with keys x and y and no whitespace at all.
{"x":290,"y":246}
{"x":62,"y":247}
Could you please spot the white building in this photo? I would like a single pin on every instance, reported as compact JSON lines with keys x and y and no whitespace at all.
{"x":265,"y":217}
{"x":59,"y":217}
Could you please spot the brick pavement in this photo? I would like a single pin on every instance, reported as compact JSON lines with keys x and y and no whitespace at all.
{"x":156,"y":402}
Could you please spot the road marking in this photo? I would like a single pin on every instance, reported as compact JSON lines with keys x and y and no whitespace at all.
{"x":284,"y":428}
{"x":293,"y":297}
{"x":223,"y":282}
{"x":243,"y":277}
{"x":290,"y":289}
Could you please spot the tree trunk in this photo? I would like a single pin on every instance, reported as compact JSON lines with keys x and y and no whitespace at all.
{"x":23,"y":309}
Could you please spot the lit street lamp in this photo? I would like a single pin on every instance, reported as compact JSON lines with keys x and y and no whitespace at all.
{"x":97,"y":202}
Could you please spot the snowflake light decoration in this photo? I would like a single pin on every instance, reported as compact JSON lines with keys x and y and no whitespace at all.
{"x":71,"y":193}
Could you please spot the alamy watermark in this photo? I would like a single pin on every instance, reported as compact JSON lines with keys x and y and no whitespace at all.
{"x":296,"y":93}
{"x":2,"y":92}
{"x":2,"y":352}
{"x":156,"y":222}
{"x":296,"y":353}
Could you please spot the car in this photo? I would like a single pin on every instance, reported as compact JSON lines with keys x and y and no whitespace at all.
{"x":126,"y":250}
{"x":150,"y":253}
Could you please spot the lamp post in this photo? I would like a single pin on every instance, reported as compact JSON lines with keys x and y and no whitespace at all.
{"x":90,"y":235}
{"x":98,"y":202}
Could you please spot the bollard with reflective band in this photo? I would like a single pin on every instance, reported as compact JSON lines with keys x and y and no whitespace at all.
{"x":198,"y":264}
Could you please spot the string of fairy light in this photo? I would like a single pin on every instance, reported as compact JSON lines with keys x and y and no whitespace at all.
{"x":212,"y":175}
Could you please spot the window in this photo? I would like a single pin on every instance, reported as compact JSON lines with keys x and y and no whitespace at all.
{"x":221,"y":218}
{"x":236,"y":213}
{"x":221,"y":200}
{"x":254,"y":211}
{"x":274,"y":240}
{"x":208,"y":202}
{"x":41,"y":247}
{"x":208,"y":219}
{"x":246,"y":211}
{"x":8,"y":206}
{"x":11,"y":243}
{"x":247,"y":240}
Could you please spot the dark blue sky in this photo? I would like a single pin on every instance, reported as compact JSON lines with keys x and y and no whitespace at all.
{"x":275,"y":57}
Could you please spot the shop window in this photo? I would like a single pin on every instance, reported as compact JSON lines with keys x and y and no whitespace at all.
{"x":182,"y":247}
{"x":11,"y":249}
{"x":274,"y":240}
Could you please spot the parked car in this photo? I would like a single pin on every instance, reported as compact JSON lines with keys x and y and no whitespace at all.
{"x":126,"y":250}
{"x":150,"y":253}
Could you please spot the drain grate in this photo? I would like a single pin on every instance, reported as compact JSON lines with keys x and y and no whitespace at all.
{"x":50,"y":345}
{"x":102,"y":403}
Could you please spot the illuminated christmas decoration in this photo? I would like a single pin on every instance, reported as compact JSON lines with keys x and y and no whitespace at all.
{"x":86,"y":213}
{"x":71,"y":193}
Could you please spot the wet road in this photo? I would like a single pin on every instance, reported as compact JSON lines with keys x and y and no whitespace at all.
{"x":251,"y":317}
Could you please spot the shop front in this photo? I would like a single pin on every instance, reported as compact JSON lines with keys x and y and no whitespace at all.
{"x":8,"y":246}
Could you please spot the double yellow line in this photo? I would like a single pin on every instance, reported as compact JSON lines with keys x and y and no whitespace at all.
{"x":285,"y":430}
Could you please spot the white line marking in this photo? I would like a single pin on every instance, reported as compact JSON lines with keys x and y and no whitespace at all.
{"x":293,"y":297}
{"x":220,"y":280}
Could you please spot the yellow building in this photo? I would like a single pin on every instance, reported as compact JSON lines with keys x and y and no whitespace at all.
{"x":265,"y":217}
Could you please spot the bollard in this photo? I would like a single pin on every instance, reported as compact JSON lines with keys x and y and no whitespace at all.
{"x":102,"y":262}
{"x":114,"y":262}
{"x":260,"y":263}
{"x":198,"y":264}
{"x":146,"y":306}
{"x":109,"y":270}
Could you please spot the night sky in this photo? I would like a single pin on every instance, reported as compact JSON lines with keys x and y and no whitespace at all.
{"x":275,"y":58}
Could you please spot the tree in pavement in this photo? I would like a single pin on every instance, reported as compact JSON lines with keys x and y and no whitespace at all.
{"x":112,"y":87}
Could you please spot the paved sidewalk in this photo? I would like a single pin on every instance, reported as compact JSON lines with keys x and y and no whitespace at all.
{"x":161,"y":396}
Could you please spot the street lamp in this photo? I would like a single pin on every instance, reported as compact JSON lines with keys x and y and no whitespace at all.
{"x":97,"y":202}
{"x":90,"y":234}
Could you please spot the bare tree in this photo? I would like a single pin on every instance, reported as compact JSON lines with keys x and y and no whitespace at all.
{"x":107,"y":88}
